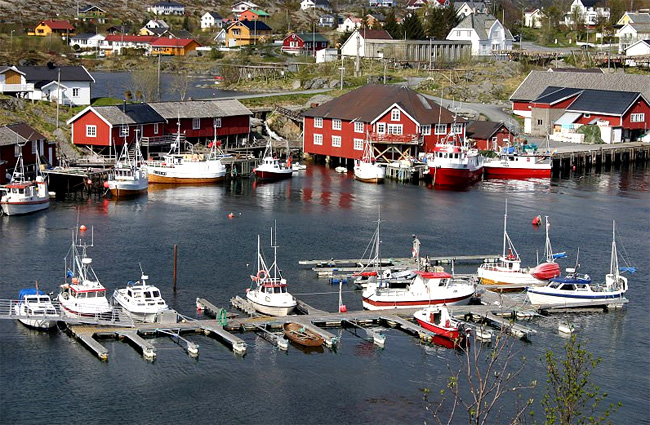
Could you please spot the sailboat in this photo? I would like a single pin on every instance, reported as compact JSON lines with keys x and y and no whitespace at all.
{"x":268,"y":293}
{"x":562,"y":292}
{"x":178,"y":167}
{"x":271,"y":167}
{"x":550,"y":268}
{"x":366,"y":169}
{"x":508,"y":270}
{"x":129,"y":177}
{"x":22,"y":195}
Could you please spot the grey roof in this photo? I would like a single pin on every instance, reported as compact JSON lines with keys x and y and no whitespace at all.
{"x":367,"y":103}
{"x":254,"y":25}
{"x":46,"y":74}
{"x":639,"y":18}
{"x":18,"y":133}
{"x":215,"y":15}
{"x":608,"y":102}
{"x":476,"y":5}
{"x":168,"y":3}
{"x":201,"y":109}
{"x":592,"y":70}
{"x":481,"y":23}
{"x":130,"y":113}
{"x":83,"y":36}
{"x":537,"y":81}
{"x":90,"y":7}
{"x":640,"y":28}
{"x":483,"y":130}
{"x":158,"y":31}
{"x":555,"y":94}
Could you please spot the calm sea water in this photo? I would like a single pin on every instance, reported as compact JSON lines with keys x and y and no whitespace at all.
{"x":51,"y":378}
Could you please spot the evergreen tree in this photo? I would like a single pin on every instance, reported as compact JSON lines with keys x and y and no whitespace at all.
{"x":391,"y":25}
{"x":439,"y":22}
{"x":412,"y":28}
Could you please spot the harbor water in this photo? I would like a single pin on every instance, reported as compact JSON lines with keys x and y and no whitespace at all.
{"x":319,"y":214}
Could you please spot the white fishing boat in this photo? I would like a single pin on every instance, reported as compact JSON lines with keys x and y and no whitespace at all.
{"x":507,"y":273}
{"x":22,"y":195}
{"x":271,"y":167}
{"x":559,"y":292}
{"x":515,"y":163}
{"x":268,"y":292}
{"x":186,"y":167}
{"x":367,"y":169}
{"x":140,"y":300}
{"x":438,"y":320}
{"x":82,"y":294}
{"x":35,"y":309}
{"x":129,"y":176}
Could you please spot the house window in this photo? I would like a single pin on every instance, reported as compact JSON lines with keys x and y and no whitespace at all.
{"x":155,"y":128}
{"x":318,"y":122}
{"x":336,"y":124}
{"x":425,"y":129}
{"x":457,"y":128}
{"x":336,"y":141}
{"x":358,"y":127}
{"x":440,"y":129}
{"x":91,"y":131}
{"x":196,"y":123}
{"x":381,"y":128}
{"x":236,"y":32}
{"x":124,"y":130}
{"x":540,"y":122}
{"x":217,"y":122}
{"x":394,"y":115}
{"x":395,"y":129}
{"x":318,"y":139}
{"x":75,"y":92}
{"x":358,"y":144}
{"x":638,"y":117}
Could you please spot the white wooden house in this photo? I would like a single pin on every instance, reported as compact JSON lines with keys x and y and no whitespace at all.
{"x":485,"y":32}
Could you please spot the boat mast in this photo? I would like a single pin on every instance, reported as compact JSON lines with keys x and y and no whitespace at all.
{"x":505,"y":232}
{"x":548,"y":250}
{"x":613,"y":264}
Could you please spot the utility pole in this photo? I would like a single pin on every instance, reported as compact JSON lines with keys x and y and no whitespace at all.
{"x":58,"y":97}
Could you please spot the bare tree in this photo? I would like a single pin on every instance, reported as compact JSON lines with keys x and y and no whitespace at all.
{"x":145,"y":84}
{"x":484,"y":384}
{"x":181,"y":84}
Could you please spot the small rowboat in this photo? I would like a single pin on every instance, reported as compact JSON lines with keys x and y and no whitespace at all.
{"x":301,"y":335}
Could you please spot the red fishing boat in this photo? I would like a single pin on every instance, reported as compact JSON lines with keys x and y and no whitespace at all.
{"x":454,"y":163}
{"x":438,"y":320}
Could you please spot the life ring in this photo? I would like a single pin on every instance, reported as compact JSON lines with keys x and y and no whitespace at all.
{"x":261,"y":275}
{"x":447,"y":323}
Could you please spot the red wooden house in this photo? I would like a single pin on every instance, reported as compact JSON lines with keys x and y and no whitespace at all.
{"x":304,"y":43}
{"x":397,"y":121}
{"x":489,"y":135}
{"x":19,"y":137}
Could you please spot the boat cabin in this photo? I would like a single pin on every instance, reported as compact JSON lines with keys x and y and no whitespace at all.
{"x":71,"y":291}
{"x":144,"y":295}
{"x":275,"y":288}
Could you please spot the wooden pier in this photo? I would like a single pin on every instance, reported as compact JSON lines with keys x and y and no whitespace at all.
{"x":597,"y":156}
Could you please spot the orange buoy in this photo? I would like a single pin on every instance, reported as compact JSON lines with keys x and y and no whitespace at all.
{"x":343,"y":308}
{"x":231,"y":215}
{"x":106,"y":185}
{"x":82,"y":228}
{"x":537,"y":220}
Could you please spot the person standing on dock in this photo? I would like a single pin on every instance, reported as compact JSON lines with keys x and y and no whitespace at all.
{"x":415,"y":252}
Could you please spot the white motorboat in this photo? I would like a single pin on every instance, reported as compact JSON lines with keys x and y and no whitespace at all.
{"x":129,"y":176}
{"x":507,"y":272}
{"x":268,"y":292}
{"x":366,"y":169}
{"x":559,"y":292}
{"x":82,"y":294}
{"x":271,"y":167}
{"x":187,"y":167}
{"x":140,"y":300}
{"x":22,"y":195}
{"x":35,"y":309}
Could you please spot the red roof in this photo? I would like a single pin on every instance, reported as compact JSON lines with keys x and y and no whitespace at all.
{"x":58,"y":25}
{"x":172,"y":42}
{"x":131,"y":38}
{"x":375,"y":34}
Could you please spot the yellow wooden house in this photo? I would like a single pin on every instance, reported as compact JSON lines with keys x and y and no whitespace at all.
{"x":244,"y":33}
{"x":45,"y":28}
{"x":173,"y":46}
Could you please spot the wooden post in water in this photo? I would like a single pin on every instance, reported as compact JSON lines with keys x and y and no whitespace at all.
{"x":175,"y":263}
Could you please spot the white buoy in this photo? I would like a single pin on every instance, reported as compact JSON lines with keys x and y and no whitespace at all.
{"x":566,"y":328}
{"x":379,"y":339}
{"x":483,"y":334}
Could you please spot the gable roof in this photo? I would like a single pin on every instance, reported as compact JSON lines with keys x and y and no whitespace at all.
{"x":483,"y":130}
{"x":537,"y":81}
{"x":85,"y":36}
{"x":367,"y":34}
{"x":125,"y":114}
{"x":89,"y":7}
{"x":608,"y":102}
{"x":643,"y":28}
{"x":58,"y":25}
{"x":309,"y":37}
{"x":553,"y":95}
{"x":214,"y":15}
{"x":639,"y":18}
{"x":367,"y":103}
{"x":168,"y":4}
{"x":589,"y":3}
{"x":39,"y":75}
{"x":253,"y":25}
{"x":592,"y":70}
{"x":172,"y":42}
{"x":481,"y":23}
{"x":25,"y":131}
{"x":114,"y":38}
{"x":200,"y":109}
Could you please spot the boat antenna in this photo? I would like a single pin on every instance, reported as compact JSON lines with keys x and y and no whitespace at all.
{"x":505,"y":232}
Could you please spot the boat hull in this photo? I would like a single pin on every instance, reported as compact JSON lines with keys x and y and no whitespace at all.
{"x":369,"y":173}
{"x":541,"y":297}
{"x":124,"y":192}
{"x":24,"y":207}
{"x":546,"y":271}
{"x":454,"y":177}
{"x":440,"y":331}
{"x":40,"y":324}
{"x":265,"y":307}
{"x":522,"y":168}
{"x":272,"y":175}
{"x":503,"y":278}
{"x":301,"y":335}
{"x":374,"y":302}
{"x":167,"y":179}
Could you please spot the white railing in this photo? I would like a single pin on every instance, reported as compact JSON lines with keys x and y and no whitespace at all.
{"x":16,"y":87}
{"x":114,"y":317}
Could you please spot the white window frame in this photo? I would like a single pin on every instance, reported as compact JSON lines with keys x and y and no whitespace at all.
{"x":395,"y":129}
{"x":124,"y":130}
{"x":457,"y":128}
{"x":318,"y":122}
{"x":336,"y":141}
{"x":318,"y":139}
{"x":336,"y":124}
{"x":358,"y":144}
{"x":217,"y":122}
{"x":395,"y":115}
{"x":425,"y":129}
{"x":358,"y":127}
{"x":440,"y":129}
{"x":91,"y":131}
{"x":381,"y":128}
{"x":637,"y":117}
{"x":196,"y":123}
{"x":155,"y":128}
{"x":75,"y":92}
